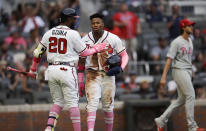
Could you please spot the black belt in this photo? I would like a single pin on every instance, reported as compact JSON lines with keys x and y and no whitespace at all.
{"x":63,"y":63}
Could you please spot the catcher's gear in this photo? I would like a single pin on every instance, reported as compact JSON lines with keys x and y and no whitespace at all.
{"x":113,"y":61}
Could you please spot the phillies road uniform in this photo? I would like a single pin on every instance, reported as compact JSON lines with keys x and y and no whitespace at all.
{"x":98,"y":84}
{"x":181,"y":53}
{"x":63,"y":47}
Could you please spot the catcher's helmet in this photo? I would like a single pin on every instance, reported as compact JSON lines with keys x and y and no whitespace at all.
{"x":66,"y":13}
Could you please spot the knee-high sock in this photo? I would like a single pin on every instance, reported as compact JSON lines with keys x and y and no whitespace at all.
{"x":53,"y":116}
{"x":108,"y":119}
{"x":75,"y":117}
{"x":91,"y":117}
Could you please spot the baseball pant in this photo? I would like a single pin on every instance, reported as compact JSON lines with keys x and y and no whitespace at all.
{"x":99,"y":85}
{"x":63,"y":85}
{"x":186,"y":95}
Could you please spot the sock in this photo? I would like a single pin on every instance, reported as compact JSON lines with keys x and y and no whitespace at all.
{"x":53,"y":116}
{"x":75,"y":117}
{"x":108,"y":119}
{"x":91,"y":117}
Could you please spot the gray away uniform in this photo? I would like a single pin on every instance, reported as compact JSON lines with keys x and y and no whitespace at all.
{"x":181,"y":53}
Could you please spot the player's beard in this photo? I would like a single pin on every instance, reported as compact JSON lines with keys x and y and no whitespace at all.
{"x":72,"y":26}
{"x":188,"y":32}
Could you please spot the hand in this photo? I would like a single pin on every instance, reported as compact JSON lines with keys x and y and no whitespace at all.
{"x":99,"y":47}
{"x":115,"y":70}
{"x":163,"y":82}
{"x":81,"y":89}
{"x":33,"y":73}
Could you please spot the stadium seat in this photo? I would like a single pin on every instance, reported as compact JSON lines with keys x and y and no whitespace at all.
{"x":14,"y":101}
{"x":129,"y":97}
{"x":2,"y":97}
{"x":42,"y":97}
{"x":159,"y":25}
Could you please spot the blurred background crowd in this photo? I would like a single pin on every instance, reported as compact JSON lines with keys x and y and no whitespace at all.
{"x":146,"y":26}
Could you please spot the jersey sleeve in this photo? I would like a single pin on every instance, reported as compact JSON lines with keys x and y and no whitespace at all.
{"x":173,"y":50}
{"x":45,"y":40}
{"x":119,"y":45}
{"x":79,"y":45}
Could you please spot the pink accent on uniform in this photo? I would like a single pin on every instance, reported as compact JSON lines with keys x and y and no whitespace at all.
{"x":54,"y":111}
{"x":81,"y":83}
{"x":75,"y":117}
{"x":95,"y":49}
{"x":108,"y":119}
{"x":81,"y":68}
{"x":35,"y":63}
{"x":91,"y":117}
{"x":124,"y":59}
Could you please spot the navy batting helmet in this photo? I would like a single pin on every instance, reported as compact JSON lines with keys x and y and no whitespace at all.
{"x":66,"y":13}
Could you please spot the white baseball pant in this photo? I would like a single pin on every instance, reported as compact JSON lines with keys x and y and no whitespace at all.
{"x":63,"y":85}
{"x":99,"y":85}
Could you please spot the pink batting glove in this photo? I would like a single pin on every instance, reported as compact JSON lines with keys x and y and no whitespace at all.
{"x":81,"y":83}
{"x":99,"y":47}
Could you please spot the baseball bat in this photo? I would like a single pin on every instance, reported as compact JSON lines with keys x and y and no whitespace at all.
{"x":22,"y":72}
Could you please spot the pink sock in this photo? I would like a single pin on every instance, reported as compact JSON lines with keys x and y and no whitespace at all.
{"x":108,"y":119}
{"x":91,"y":117}
{"x":75,"y":117}
{"x":53,"y":115}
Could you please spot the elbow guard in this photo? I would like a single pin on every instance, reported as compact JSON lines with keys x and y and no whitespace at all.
{"x":39,"y":51}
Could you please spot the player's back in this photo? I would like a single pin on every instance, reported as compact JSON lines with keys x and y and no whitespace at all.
{"x":61,"y":43}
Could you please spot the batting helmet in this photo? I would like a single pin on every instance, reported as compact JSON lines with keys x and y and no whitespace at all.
{"x":66,"y":13}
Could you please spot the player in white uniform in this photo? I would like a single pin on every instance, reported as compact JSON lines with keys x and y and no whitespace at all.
{"x":100,"y":83}
{"x":63,"y":47}
{"x":180,"y":55}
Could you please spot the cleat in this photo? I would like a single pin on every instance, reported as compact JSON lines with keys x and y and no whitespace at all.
{"x":159,"y":124}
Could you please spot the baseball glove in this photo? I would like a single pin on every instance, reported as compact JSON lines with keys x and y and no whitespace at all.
{"x":114,"y":63}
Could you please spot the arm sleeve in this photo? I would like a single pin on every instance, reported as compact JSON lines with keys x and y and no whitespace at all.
{"x":79,"y":45}
{"x":173,"y":50}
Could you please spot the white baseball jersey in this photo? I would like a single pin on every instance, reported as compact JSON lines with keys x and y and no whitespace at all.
{"x":63,"y":44}
{"x":181,"y":53}
{"x":114,"y":46}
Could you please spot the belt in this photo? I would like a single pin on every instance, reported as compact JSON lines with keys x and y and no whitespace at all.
{"x":63,"y":63}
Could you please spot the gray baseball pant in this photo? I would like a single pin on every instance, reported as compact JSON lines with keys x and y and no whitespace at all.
{"x":186,"y":95}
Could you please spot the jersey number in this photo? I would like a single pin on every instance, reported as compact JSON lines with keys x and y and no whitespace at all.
{"x":57,"y":44}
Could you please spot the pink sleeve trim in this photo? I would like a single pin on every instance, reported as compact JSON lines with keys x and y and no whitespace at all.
{"x":124,"y":59}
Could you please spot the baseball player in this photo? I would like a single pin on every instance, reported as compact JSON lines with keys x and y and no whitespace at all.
{"x":180,"y":55}
{"x":100,"y":82}
{"x":63,"y":47}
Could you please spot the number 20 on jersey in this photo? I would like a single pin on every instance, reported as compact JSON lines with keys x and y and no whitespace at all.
{"x":57,"y":45}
